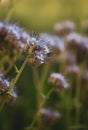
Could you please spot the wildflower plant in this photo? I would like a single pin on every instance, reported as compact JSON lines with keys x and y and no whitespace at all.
{"x":70,"y":51}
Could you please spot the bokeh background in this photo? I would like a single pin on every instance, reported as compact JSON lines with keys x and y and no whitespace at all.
{"x":37,"y":16}
{"x":41,"y":15}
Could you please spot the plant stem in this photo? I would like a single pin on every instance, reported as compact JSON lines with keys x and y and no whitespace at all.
{"x":14,"y":81}
{"x":44,"y":73}
{"x":18,"y":75}
{"x":41,"y":105}
{"x":37,"y":86}
{"x":78,"y":95}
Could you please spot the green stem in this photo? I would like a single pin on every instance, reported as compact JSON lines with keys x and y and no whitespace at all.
{"x":68,"y":110}
{"x":18,"y":75}
{"x":44,"y":73}
{"x":41,"y":105}
{"x":37,"y":85}
{"x":78,"y":95}
{"x":14,"y":81}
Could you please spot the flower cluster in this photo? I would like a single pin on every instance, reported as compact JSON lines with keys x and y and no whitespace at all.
{"x":9,"y":39}
{"x":58,"y":80}
{"x":73,"y":40}
{"x":49,"y":116}
{"x":71,"y":50}
{"x":38,"y":50}
{"x":78,"y":44}
{"x":14,"y":39}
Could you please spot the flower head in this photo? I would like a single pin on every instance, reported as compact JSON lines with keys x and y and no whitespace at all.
{"x":58,"y":80}
{"x":73,"y":41}
{"x":49,"y":115}
{"x":38,"y":50}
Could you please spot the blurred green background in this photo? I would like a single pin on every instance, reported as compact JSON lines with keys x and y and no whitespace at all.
{"x":38,"y":16}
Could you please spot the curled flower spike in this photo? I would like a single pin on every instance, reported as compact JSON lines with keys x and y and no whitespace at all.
{"x":55,"y":42}
{"x":38,"y":50}
{"x":64,"y":27}
{"x":49,"y":115}
{"x":58,"y":80}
